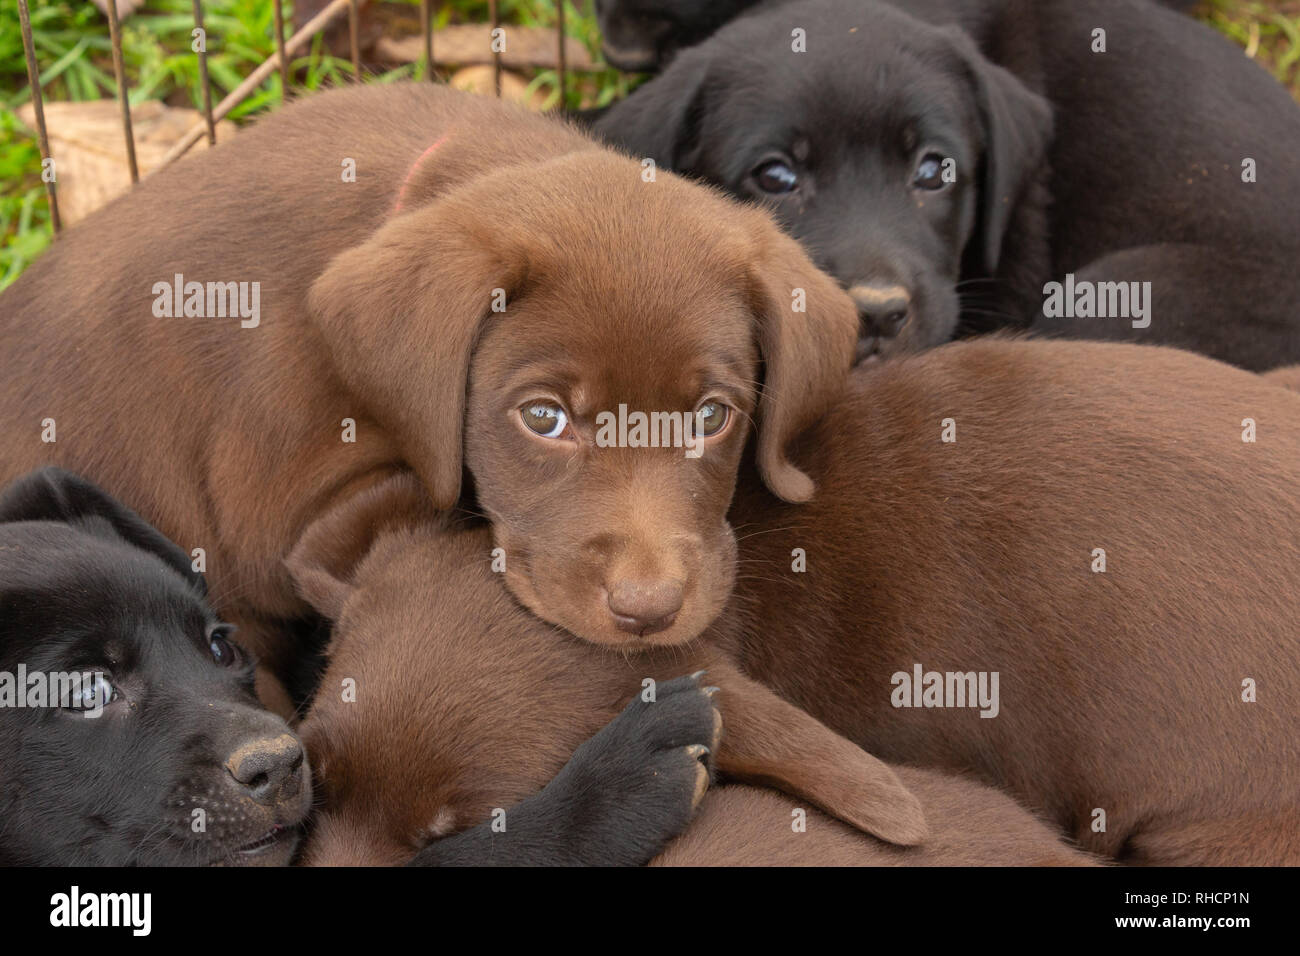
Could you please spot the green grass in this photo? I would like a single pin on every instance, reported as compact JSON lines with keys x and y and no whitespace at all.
{"x":71,"y":38}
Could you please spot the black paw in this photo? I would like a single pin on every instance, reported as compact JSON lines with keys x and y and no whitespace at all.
{"x":635,"y":785}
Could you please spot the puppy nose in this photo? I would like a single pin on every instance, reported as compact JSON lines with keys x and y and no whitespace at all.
{"x":644,"y":607}
{"x":268,"y":770}
{"x":883,"y":310}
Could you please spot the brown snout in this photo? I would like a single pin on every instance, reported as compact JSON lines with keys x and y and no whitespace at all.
{"x":268,"y":770}
{"x":644,"y":607}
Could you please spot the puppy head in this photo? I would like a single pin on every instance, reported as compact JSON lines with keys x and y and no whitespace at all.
{"x":891,"y":148}
{"x":598,"y":346}
{"x":427,"y":654}
{"x":129,"y":731}
{"x":643,"y":35}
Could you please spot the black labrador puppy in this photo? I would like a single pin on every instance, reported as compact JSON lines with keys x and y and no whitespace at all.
{"x":641,"y":36}
{"x":985,"y":160}
{"x":130,"y":733}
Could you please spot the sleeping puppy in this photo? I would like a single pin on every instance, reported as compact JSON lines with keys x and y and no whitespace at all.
{"x":643,"y":35}
{"x":490,"y":285}
{"x":981,"y":160}
{"x":429,"y":639}
{"x":130,"y":735}
{"x":356,"y":566}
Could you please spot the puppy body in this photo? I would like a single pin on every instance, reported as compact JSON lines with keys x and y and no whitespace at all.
{"x":470,"y":256}
{"x":643,"y":35}
{"x":1132,"y":681}
{"x":971,"y":825}
{"x":465,"y":703}
{"x":1161,"y":176}
{"x":229,"y":438}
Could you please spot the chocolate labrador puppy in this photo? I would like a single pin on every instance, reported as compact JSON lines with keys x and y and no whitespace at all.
{"x":354,"y":565}
{"x":1022,"y":564}
{"x":1093,"y":168}
{"x":405,"y":275}
{"x":130,"y":735}
{"x":495,"y":698}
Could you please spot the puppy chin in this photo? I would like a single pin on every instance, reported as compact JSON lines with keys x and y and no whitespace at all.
{"x":275,"y":848}
{"x":587,"y":618}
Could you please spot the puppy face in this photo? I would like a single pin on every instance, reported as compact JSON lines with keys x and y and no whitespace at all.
{"x":408,"y":757}
{"x":598,"y":345}
{"x":159,"y":754}
{"x":642,"y":35}
{"x":602,"y":533}
{"x":890,"y":148}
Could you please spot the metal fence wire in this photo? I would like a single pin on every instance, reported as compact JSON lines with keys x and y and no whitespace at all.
{"x":285,"y":50}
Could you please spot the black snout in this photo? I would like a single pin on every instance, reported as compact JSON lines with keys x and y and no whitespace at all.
{"x":268,"y":770}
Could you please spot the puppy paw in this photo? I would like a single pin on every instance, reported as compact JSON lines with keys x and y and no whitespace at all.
{"x":635,"y":785}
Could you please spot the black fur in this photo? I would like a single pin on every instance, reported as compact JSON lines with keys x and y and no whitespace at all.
{"x":643,"y":35}
{"x":1141,"y":180}
{"x":87,"y":586}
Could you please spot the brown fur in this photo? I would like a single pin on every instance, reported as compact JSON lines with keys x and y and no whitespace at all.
{"x":971,"y":825}
{"x":1287,"y":377}
{"x":1120,"y":691}
{"x":229,"y":439}
{"x":376,"y":565}
{"x":466,"y":703}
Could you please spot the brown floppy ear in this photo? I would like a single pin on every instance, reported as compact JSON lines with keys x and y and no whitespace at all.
{"x":324,"y":561}
{"x":808,"y":331}
{"x":399,"y":315}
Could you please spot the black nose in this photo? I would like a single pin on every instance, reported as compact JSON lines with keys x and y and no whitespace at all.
{"x":883,"y":310}
{"x":268,"y":770}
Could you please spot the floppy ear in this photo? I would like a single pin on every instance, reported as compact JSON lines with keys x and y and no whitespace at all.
{"x":53,"y":494}
{"x":661,"y":119}
{"x":324,"y":561}
{"x":808,"y":331}
{"x":399,"y":315}
{"x":1018,"y":130}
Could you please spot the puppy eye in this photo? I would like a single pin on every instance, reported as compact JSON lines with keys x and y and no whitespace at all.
{"x":546,"y":419}
{"x":929,"y":173}
{"x":775,"y":177}
{"x":225,"y":653}
{"x":96,"y":693}
{"x":711,"y":418}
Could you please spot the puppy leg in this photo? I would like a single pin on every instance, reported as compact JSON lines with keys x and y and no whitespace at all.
{"x":769,"y":740}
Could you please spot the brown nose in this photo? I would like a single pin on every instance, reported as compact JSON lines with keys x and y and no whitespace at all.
{"x":883,"y":310}
{"x":644,"y":607}
{"x":268,"y":770}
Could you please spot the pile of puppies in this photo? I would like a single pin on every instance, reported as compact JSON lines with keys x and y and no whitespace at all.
{"x":345,"y":383}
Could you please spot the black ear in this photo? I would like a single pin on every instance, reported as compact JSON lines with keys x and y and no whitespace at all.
{"x":661,"y":120}
{"x":52,"y":494}
{"x":1017,"y":126}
